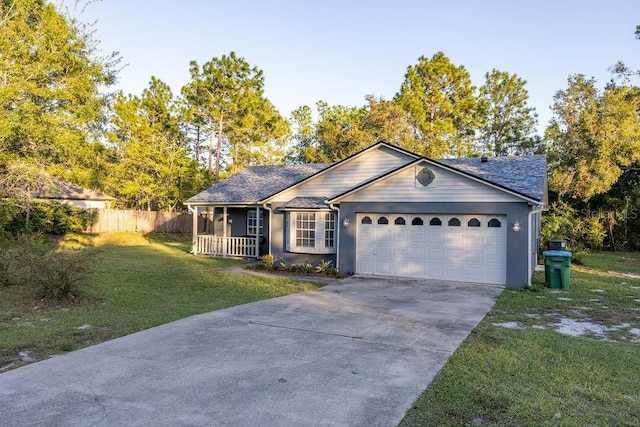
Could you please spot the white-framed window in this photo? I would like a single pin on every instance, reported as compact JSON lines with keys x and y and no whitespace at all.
{"x":312,"y":232}
{"x":252,"y":222}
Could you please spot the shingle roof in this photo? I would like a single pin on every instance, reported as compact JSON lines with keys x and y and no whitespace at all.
{"x":524,"y":174}
{"x":255,"y":183}
{"x":62,"y":190}
{"x":306,"y":203}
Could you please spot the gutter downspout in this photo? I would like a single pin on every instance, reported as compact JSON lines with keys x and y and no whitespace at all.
{"x":268,"y":208}
{"x":338,"y":219}
{"x":529,"y":241}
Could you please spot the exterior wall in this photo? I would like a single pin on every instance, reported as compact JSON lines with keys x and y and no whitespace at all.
{"x":517,"y":242}
{"x":446,"y":187}
{"x":348,"y":174}
{"x":238,"y":227}
{"x":278,"y":243}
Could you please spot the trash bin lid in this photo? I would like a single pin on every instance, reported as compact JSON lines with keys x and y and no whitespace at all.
{"x":565,"y":254}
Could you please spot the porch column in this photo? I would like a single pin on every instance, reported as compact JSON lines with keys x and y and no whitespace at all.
{"x":195,"y":230}
{"x":224,"y":231}
{"x":258,"y":232}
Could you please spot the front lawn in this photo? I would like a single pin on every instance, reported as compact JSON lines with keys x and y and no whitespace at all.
{"x":548,"y":357}
{"x":134,"y":283}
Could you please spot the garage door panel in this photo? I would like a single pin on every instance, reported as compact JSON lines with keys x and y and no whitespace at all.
{"x":471,"y":251}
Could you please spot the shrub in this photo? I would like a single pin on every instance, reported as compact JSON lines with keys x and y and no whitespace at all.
{"x":564,"y":222}
{"x":59,"y":274}
{"x":268,"y":261}
{"x":324,"y":267}
{"x":49,"y":218}
{"x":32,"y":261}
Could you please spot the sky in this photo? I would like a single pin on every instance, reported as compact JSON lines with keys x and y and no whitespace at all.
{"x":340,"y":51}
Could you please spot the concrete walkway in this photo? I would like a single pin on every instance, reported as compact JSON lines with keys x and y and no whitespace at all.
{"x":355,"y":353}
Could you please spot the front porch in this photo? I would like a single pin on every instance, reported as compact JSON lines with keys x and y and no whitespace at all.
{"x":229,"y":231}
{"x":218,"y":246}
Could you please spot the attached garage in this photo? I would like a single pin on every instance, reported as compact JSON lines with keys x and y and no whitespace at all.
{"x":469,"y":248}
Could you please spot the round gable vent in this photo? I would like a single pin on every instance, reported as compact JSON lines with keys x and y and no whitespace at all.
{"x":425,"y":177}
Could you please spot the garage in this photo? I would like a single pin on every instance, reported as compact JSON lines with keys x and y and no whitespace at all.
{"x":468,"y":248}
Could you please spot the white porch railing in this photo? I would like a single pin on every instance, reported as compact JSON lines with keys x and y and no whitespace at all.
{"x":207,"y":244}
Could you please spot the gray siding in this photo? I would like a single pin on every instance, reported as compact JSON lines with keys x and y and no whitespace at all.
{"x":278,"y":242}
{"x":517,"y":247}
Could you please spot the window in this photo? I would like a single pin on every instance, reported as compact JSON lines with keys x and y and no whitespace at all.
{"x":252,"y":222}
{"x":454,"y":222}
{"x":329,"y":229}
{"x":417,"y":221}
{"x":366,"y":220}
{"x":383,"y":220}
{"x":494,"y":222}
{"x":305,"y":230}
{"x":435,"y":221}
{"x":312,"y":232}
{"x":399,"y":221}
{"x":473,"y":222}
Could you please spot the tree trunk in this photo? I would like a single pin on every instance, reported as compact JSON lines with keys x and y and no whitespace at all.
{"x":197,"y":151}
{"x":218,"y":149}
{"x":210,"y":167}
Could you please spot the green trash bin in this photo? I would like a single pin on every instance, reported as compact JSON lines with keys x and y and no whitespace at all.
{"x":557,"y":269}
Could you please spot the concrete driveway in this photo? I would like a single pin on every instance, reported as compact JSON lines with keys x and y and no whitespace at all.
{"x":356,"y":353}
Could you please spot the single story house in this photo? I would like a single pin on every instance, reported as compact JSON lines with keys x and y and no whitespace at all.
{"x":61,"y":191}
{"x":384,"y":211}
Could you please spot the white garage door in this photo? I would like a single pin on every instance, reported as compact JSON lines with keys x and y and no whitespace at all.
{"x":468,"y":248}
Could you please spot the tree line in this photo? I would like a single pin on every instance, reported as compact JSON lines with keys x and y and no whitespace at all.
{"x":153,"y":150}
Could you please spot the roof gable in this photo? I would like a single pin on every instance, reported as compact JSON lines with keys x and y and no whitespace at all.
{"x":374,"y":161}
{"x":511,"y":178}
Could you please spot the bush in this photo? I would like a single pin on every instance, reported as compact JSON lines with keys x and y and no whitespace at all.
{"x":49,"y":218}
{"x":268,"y":261}
{"x":33,"y":261}
{"x":581,"y":232}
{"x":59,"y":274}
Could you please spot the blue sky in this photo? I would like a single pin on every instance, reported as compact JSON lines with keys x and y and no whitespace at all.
{"x":339,"y":51}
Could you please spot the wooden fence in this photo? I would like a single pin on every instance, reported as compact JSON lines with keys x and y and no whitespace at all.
{"x":113,"y":220}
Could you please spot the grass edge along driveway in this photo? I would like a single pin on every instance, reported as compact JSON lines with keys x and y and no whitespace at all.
{"x":548,"y":357}
{"x":134,"y":283}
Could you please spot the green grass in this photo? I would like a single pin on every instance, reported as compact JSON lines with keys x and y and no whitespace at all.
{"x":534,"y":375}
{"x":135,"y":282}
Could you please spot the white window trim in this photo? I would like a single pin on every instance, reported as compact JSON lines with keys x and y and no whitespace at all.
{"x":320,"y":247}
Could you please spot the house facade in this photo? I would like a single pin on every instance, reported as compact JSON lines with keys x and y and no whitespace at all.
{"x":384,"y":211}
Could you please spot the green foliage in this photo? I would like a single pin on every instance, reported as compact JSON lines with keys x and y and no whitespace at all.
{"x":51,"y":105}
{"x":343,"y":131}
{"x":563,"y":222}
{"x":593,"y":137}
{"x":268,"y":260}
{"x":59,"y":275}
{"x":324,"y":267}
{"x":506,"y":121}
{"x":439,"y":98}
{"x":52,"y":218}
{"x":32,"y":262}
{"x":227,"y":96}
{"x":153,"y":168}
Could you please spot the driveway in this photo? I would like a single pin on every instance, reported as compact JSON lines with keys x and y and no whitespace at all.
{"x":355,"y":353}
